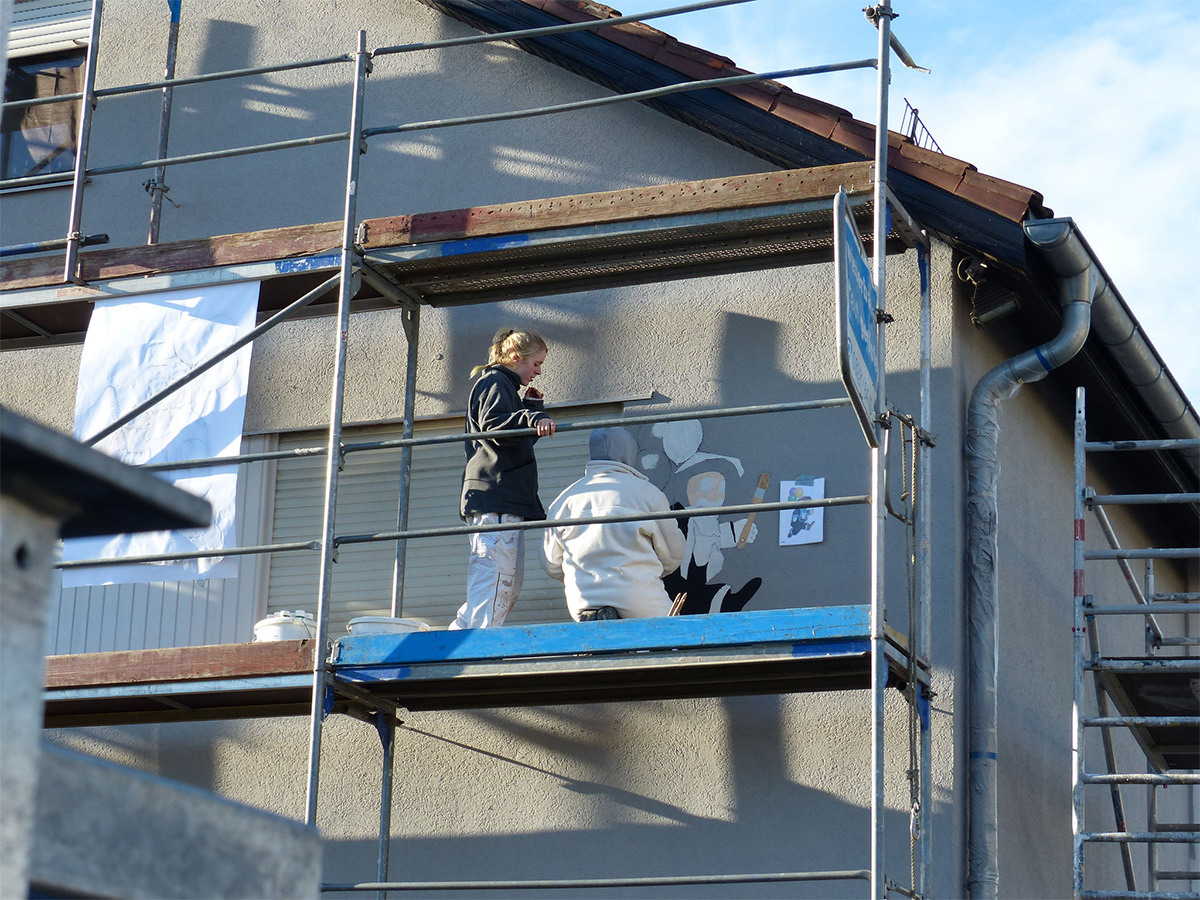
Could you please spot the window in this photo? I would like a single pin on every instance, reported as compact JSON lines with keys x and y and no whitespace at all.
{"x":47,"y":44}
{"x":41,"y":140}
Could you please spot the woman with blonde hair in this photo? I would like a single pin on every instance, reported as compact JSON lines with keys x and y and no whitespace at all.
{"x":500,"y":479}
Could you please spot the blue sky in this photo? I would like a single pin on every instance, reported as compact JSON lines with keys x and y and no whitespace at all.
{"x":1093,"y":104}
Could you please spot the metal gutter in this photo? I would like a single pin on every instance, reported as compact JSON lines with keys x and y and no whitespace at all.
{"x":1115,"y":328}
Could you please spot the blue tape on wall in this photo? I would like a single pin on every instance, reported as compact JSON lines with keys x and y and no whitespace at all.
{"x":308,"y":263}
{"x":484,"y":244}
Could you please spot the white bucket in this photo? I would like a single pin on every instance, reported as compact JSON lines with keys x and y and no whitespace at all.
{"x":383,"y":625}
{"x":285,"y":626}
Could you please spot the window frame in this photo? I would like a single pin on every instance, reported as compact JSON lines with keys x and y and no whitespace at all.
{"x":62,"y":114}
{"x":42,"y":31}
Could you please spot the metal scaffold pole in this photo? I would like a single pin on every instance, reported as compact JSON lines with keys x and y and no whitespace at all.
{"x":74,"y":235}
{"x":881,"y":14}
{"x":1080,"y":650}
{"x":349,"y":280}
{"x":157,"y":186}
{"x":412,"y":331}
{"x":385,"y":723}
{"x":924,"y":629}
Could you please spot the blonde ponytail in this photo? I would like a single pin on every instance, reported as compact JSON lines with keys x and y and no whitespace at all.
{"x":508,"y":341}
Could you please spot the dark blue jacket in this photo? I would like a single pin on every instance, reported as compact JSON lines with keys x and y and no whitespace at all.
{"x":501,"y":474}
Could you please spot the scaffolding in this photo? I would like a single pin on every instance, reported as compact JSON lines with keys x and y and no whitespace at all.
{"x":1154,"y":694}
{"x":805,"y":649}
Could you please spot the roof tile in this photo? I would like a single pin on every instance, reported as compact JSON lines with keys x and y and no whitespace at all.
{"x":935,"y":168}
{"x":858,"y":135}
{"x":644,"y":45}
{"x":699,"y":54}
{"x":816,"y":116}
{"x":635,"y":36}
{"x":1002,"y":197}
{"x":850,"y":132}
{"x":763,"y":94}
{"x":699,"y":66}
{"x":825,"y":120}
{"x":575,"y":10}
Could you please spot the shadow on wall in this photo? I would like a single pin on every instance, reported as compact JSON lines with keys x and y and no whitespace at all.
{"x":181,"y":751}
{"x":787,"y":447}
{"x":577,"y":796}
{"x":719,"y":461}
{"x":561,"y":319}
{"x":437,"y":169}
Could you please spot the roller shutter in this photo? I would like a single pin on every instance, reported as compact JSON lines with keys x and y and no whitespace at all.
{"x":107,"y":617}
{"x":368,"y":490}
{"x":40,"y":27}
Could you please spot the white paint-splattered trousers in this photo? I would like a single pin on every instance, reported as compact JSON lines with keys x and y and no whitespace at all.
{"x":495,"y":573}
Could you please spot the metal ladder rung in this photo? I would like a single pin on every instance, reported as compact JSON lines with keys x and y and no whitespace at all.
{"x":1178,"y":875}
{"x":1146,"y":664}
{"x":1174,"y":608}
{"x":1136,"y":895}
{"x":1143,"y":553}
{"x":1140,"y":778}
{"x":1167,"y":444}
{"x":1141,"y":837}
{"x":1130,"y":721}
{"x":1142,"y":499}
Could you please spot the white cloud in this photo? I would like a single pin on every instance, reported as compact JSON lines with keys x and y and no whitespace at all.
{"x":1104,"y":123}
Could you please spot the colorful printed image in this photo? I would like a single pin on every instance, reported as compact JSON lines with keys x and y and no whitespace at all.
{"x":801,"y":526}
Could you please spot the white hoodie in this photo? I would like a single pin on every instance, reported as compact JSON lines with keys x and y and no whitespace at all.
{"x":618,"y":564}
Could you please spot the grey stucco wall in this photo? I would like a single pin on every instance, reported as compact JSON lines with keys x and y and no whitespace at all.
{"x":754,"y":784}
{"x":441,"y":169}
{"x":1035,"y":587}
{"x":739,"y":785}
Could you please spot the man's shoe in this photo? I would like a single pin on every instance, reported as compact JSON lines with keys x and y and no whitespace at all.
{"x":600,"y":613}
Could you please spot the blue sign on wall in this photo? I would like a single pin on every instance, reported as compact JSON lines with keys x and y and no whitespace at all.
{"x":858,"y":345}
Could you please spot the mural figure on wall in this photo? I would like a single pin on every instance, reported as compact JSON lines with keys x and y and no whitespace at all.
{"x":707,"y":536}
{"x":681,"y":444}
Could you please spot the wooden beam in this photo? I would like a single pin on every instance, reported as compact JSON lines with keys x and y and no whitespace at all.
{"x":179,"y":664}
{"x":681,"y":198}
{"x":711,"y":195}
{"x":178,"y":256}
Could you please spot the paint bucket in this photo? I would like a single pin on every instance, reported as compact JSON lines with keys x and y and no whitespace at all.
{"x":383,"y":625}
{"x":285,"y":626}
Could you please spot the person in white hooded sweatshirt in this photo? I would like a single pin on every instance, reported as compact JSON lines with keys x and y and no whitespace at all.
{"x":612,"y":570}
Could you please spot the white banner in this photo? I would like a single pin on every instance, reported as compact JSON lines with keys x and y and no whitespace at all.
{"x":134,"y":348}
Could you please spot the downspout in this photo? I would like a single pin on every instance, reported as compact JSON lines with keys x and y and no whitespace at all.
{"x":1079,"y":282}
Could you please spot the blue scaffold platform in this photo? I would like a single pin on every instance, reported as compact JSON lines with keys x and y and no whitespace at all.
{"x":758,"y":652}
